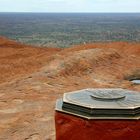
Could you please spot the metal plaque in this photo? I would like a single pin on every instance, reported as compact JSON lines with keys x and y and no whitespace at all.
{"x":102,"y":103}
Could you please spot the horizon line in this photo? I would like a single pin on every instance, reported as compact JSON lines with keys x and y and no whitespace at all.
{"x":75,"y":12}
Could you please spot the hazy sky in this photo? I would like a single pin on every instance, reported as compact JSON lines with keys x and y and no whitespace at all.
{"x":69,"y":5}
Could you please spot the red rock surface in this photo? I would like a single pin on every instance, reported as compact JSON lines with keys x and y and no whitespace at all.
{"x":70,"y":127}
{"x":31,"y":79}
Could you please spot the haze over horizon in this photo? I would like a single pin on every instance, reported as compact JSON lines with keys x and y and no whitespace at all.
{"x":71,"y":6}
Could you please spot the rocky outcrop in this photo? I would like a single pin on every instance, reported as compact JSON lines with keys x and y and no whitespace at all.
{"x":31,"y":79}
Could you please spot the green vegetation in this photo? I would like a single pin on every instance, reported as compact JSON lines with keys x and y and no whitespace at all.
{"x":63,"y":30}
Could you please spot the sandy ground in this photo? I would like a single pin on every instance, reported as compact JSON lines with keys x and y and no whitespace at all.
{"x":31,"y":79}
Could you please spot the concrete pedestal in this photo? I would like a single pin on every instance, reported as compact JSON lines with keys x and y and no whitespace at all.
{"x":98,"y":114}
{"x":69,"y":127}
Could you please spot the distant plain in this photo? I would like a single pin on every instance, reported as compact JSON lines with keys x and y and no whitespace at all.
{"x":63,"y":30}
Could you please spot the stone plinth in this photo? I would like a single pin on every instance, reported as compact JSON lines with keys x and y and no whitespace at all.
{"x":69,"y":127}
{"x":98,"y":114}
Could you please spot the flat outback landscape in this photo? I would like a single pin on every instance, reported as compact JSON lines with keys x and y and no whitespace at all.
{"x":51,"y":47}
{"x":32,"y":78}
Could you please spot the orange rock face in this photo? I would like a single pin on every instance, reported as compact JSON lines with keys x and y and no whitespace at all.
{"x":31,"y":79}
